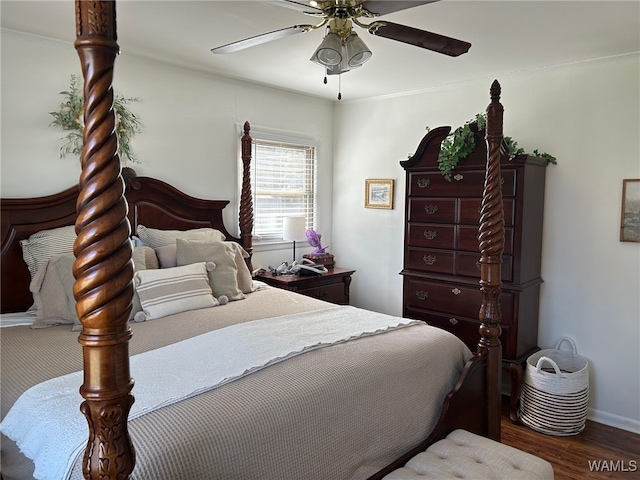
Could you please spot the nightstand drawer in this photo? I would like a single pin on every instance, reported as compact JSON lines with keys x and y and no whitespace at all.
{"x":334,"y":293}
{"x":332,"y":286}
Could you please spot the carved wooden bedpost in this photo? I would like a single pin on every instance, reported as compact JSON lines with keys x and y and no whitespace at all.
{"x":103,"y":267}
{"x":491,"y":237}
{"x":246,"y":199}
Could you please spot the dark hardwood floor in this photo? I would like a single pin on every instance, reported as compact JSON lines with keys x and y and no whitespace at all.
{"x":599,"y":452}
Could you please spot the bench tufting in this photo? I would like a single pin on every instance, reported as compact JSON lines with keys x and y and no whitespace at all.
{"x":466,"y":455}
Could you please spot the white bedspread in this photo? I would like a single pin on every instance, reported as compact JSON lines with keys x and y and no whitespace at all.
{"x":48,"y":413}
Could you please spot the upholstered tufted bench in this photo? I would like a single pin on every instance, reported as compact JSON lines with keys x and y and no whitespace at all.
{"x":466,"y":455}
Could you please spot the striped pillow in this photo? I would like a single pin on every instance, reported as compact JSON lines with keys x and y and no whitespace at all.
{"x":173,"y":290}
{"x":41,"y":246}
{"x":154,"y":238}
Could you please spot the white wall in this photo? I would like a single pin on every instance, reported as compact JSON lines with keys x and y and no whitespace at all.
{"x":192,"y":123}
{"x":587,"y":116}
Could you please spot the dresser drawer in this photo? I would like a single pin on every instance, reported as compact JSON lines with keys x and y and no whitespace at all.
{"x":428,"y":210}
{"x":469,"y":211}
{"x":465,"y":329}
{"x":427,"y":260}
{"x":467,"y":239}
{"x":462,"y":184}
{"x":431,"y":235}
{"x":468,"y":264}
{"x":456,"y":300}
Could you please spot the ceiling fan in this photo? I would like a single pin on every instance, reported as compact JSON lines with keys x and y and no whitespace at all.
{"x":341,"y":49}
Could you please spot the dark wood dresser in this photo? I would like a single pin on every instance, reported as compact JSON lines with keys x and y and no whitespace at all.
{"x":441,"y":250}
{"x":332,"y":286}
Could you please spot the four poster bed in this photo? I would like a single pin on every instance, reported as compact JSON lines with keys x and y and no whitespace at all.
{"x":356,"y":405}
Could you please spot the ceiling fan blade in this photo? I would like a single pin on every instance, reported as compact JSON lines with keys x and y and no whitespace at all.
{"x":301,"y":6}
{"x":260,"y":39}
{"x":420,"y":38}
{"x":382,"y":7}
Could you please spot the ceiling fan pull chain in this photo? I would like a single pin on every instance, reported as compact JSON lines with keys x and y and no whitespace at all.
{"x":340,"y":87}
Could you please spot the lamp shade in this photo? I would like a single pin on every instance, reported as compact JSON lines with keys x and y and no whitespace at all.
{"x":294,"y":228}
{"x":330,"y":50}
{"x":357,"y":52}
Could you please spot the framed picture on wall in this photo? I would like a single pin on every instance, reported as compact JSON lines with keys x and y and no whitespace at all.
{"x":630,"y":218}
{"x":378,"y":193}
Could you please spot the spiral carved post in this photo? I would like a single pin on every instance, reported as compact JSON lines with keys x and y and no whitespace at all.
{"x":491,"y":237}
{"x":103,"y":267}
{"x":246,"y":199}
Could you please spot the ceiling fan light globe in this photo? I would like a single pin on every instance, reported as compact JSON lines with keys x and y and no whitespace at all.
{"x":338,"y":69}
{"x":329,"y":51}
{"x":357,"y":51}
{"x":328,"y":56}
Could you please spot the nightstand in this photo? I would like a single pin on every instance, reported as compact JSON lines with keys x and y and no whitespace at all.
{"x":332,"y":286}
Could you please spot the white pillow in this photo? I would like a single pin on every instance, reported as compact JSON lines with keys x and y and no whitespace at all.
{"x":173,"y":290}
{"x":155,"y":238}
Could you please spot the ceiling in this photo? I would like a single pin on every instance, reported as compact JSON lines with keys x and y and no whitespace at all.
{"x":506,"y":37}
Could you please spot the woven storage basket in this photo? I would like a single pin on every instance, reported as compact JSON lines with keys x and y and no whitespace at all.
{"x":555,"y":391}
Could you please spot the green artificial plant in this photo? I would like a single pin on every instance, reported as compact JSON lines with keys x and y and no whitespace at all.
{"x":70,"y":115}
{"x":462,"y":141}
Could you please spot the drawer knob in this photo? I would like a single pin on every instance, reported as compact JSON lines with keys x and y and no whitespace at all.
{"x":423,"y":182}
{"x":429,"y":259}
{"x":430,"y":234}
{"x":478,"y":266}
{"x":453,"y":321}
{"x":456,"y":291}
{"x":431,"y":209}
{"x":458,"y":177}
{"x":422,"y":295}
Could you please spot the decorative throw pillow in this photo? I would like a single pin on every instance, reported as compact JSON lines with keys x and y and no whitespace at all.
{"x":224,"y":278}
{"x":43,"y":245}
{"x":245,"y":280}
{"x":49,"y":288}
{"x":155,"y":238}
{"x":150,"y":259}
{"x":167,"y":255}
{"x":52,"y":289}
{"x":173,"y":290}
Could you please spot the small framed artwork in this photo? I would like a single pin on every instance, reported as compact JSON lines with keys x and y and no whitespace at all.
{"x":378,"y":193}
{"x":630,"y":218}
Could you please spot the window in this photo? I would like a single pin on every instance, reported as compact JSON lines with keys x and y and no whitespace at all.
{"x":283,"y":183}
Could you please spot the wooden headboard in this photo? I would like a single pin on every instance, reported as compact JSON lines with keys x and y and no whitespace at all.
{"x":151,"y":202}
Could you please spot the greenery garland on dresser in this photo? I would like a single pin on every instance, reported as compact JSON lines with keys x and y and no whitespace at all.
{"x":69,"y":119}
{"x":462,"y":141}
